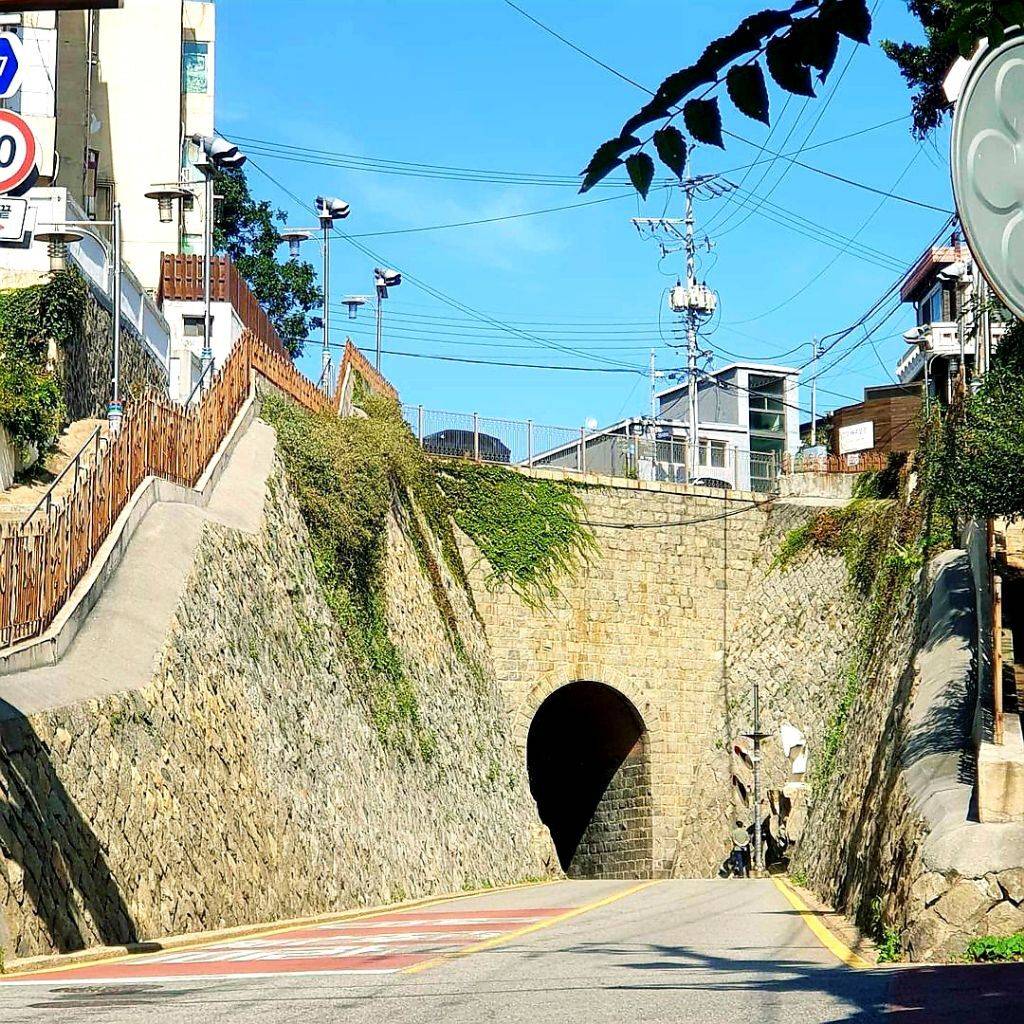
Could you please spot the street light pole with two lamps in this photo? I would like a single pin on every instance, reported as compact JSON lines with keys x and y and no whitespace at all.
{"x":328,"y":209}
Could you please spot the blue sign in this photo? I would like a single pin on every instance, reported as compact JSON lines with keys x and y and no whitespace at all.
{"x":10,"y":64}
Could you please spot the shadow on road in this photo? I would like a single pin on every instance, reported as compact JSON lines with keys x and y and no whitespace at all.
{"x":52,"y":853}
{"x":926,"y":994}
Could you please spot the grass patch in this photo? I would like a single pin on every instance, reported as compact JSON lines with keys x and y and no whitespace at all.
{"x":530,"y":532}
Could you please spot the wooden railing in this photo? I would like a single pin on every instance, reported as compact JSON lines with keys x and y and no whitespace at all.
{"x":43,"y":559}
{"x":860,"y":463}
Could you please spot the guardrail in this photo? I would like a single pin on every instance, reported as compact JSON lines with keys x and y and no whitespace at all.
{"x":618,"y":451}
{"x":854,"y":462}
{"x":44,"y":558}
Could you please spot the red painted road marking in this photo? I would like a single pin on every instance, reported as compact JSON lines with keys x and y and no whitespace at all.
{"x":383,"y":944}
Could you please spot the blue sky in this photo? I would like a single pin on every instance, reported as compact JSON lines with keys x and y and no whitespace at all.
{"x":473,"y":84}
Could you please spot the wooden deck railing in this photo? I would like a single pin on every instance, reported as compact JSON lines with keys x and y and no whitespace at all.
{"x":44,"y":558}
{"x":861,"y":463}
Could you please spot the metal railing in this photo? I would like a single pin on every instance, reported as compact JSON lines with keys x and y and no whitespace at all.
{"x":96,"y":440}
{"x":617,"y":451}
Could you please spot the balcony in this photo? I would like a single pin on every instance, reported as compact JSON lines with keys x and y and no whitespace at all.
{"x":940,"y":339}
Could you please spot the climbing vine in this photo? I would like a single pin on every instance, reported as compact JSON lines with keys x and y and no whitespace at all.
{"x":348,"y":475}
{"x":883,"y":542}
{"x":531,"y":532}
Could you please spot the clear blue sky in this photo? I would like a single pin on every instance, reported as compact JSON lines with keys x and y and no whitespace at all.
{"x":473,"y":84}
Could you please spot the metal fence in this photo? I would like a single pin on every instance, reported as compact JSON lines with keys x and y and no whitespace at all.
{"x":616,"y":452}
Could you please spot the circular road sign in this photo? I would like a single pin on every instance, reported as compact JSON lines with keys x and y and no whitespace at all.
{"x":17,"y":150}
{"x":987,"y":158}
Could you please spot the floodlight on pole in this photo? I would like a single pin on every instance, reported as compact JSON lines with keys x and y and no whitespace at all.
{"x":215,"y":154}
{"x":383,"y":279}
{"x":328,"y":210}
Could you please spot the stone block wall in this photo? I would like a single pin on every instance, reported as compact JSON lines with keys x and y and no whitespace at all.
{"x":679,"y":615}
{"x":246,"y":781}
{"x":84,"y":365}
{"x":617,"y":842}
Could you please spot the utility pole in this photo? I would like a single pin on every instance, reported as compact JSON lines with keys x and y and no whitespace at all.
{"x":814,"y":392}
{"x":691,"y":338}
{"x":694,"y":300}
{"x":653,"y":373}
{"x":757,"y":737}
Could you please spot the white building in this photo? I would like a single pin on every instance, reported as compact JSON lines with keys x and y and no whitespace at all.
{"x":944,"y":288}
{"x":748,"y":419}
{"x":112,"y":97}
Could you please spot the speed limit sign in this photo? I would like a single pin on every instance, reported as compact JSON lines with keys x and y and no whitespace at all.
{"x":17,"y":151}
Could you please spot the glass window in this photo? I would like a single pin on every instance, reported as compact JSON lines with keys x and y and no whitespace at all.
{"x":767,"y":406}
{"x":194,"y":57}
{"x":712,"y":453}
{"x":195,"y":326}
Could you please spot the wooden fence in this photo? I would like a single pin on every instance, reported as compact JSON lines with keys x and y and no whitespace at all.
{"x":857,"y":463}
{"x":44,"y":558}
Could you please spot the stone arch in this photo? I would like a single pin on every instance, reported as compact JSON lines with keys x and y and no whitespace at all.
{"x":588,"y":756}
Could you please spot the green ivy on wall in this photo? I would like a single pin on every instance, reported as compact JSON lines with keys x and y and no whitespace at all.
{"x":348,"y":475}
{"x":530,"y":531}
{"x":884,"y":543}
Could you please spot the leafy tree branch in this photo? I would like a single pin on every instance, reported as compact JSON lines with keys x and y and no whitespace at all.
{"x":245,"y":230}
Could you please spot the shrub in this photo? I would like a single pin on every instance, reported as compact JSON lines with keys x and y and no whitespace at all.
{"x":997,"y":948}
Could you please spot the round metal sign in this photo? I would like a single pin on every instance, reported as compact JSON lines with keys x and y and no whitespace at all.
{"x":987,"y":157}
{"x":17,"y":151}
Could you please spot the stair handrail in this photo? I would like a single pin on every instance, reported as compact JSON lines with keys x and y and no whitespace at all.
{"x":96,"y":437}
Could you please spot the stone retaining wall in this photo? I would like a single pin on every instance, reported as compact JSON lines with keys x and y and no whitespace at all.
{"x":247,"y":782}
{"x":84,"y":364}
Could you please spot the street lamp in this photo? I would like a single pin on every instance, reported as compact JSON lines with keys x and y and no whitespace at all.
{"x":328,"y":210}
{"x":58,"y":238}
{"x":166,"y":196}
{"x":295,"y":237}
{"x":383,"y":280}
{"x":215,"y":154}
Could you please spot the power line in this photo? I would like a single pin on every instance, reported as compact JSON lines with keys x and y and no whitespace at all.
{"x":579,"y":49}
{"x":441,"y":296}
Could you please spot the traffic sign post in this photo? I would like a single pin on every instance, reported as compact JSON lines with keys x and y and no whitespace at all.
{"x":17,"y":151}
{"x":10,"y":64}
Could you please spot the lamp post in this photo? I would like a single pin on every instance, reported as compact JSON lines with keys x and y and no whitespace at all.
{"x":328,"y":210}
{"x":58,"y":238}
{"x":383,"y":280}
{"x":216,"y":154}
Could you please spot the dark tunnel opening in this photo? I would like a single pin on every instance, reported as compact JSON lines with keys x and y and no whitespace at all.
{"x":589,"y":771}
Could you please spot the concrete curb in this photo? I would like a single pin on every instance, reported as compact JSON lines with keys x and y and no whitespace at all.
{"x":102,"y":954}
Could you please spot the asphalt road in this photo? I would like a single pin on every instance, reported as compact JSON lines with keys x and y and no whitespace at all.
{"x":675,"y":951}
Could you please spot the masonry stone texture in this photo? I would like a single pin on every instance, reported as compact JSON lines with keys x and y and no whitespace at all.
{"x":247,"y":781}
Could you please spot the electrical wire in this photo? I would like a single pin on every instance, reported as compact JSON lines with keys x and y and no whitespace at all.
{"x":443,"y":297}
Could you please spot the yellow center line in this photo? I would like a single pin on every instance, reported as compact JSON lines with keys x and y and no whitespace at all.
{"x":829,"y":940}
{"x":500,"y":940}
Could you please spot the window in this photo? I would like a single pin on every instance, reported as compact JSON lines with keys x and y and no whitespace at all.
{"x":194,"y":57}
{"x":938,"y":306}
{"x":712,"y":453}
{"x":195,"y":326}
{"x":767,"y":406}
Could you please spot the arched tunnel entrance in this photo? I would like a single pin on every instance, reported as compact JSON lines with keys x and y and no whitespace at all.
{"x":588,"y":762}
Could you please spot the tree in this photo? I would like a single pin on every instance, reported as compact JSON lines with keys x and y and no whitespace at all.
{"x":952,"y":29}
{"x":798,"y":46}
{"x":245,"y":230}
